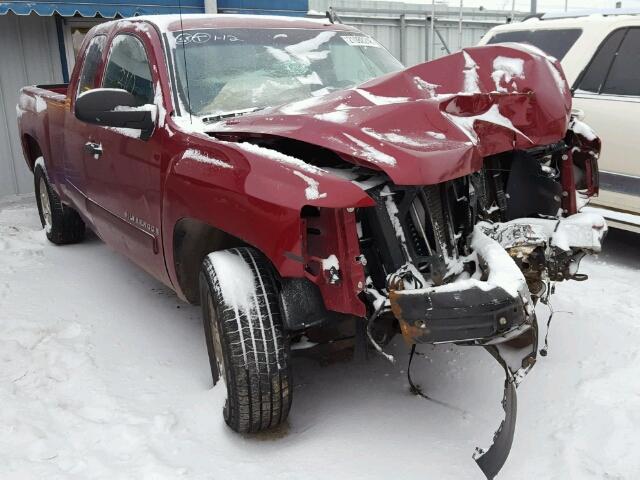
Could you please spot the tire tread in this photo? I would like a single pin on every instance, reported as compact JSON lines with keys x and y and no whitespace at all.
{"x":66,"y":225}
{"x":258,"y":394}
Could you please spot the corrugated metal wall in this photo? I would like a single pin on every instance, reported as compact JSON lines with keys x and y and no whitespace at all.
{"x":28,"y":55}
{"x":387,"y":32}
{"x":264,"y":7}
{"x":382,"y":20}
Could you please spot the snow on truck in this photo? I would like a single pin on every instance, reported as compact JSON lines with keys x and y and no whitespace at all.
{"x":293,"y":178}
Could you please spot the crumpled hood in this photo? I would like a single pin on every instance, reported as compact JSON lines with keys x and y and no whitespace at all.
{"x":432,"y":122}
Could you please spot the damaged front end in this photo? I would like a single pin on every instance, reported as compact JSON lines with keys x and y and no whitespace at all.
{"x":467,"y":260}
{"x":440,"y":201}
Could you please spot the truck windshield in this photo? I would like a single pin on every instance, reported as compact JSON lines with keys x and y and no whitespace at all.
{"x":235,"y":70}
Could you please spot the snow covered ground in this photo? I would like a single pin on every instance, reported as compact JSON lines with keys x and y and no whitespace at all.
{"x":104,"y":375}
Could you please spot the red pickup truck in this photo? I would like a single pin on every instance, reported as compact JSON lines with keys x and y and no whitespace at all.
{"x":295,"y":179}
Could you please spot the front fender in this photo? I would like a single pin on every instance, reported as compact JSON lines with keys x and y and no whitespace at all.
{"x":256,"y":197}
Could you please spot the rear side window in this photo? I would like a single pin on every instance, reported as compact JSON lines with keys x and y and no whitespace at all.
{"x":91,"y":63}
{"x":553,"y":42}
{"x":597,"y":69}
{"x":128,"y":68}
{"x":624,"y":74}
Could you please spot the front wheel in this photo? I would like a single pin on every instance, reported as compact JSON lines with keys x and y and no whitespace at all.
{"x":247,"y":345}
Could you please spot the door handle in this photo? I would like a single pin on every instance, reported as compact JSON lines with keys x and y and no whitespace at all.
{"x":94,"y":149}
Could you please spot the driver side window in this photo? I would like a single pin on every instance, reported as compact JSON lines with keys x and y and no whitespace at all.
{"x":128,"y":68}
{"x":92,"y":59}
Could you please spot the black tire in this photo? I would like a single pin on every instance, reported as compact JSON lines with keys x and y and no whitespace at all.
{"x":246,"y":341}
{"x":63,"y":225}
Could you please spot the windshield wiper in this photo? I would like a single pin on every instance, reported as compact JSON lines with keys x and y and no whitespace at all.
{"x":230,"y":114}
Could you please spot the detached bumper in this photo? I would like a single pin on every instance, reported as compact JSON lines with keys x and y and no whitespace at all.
{"x":471,"y":314}
{"x":490,"y":310}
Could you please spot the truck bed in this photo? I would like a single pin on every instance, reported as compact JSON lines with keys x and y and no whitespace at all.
{"x":60,"y":88}
{"x":36,"y":120}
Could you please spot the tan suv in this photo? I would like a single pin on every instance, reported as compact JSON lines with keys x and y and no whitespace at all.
{"x":600,"y":55}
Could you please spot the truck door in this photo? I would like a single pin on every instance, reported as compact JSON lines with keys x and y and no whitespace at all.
{"x":78,"y":133}
{"x":124,"y":171}
{"x":608,"y":92}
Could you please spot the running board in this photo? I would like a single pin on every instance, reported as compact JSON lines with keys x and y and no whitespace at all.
{"x":617,"y":219}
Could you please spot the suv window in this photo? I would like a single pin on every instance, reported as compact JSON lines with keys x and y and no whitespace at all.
{"x":554,"y":42}
{"x":624,"y":74}
{"x":596,"y":71}
{"x":92,"y":59}
{"x":128,"y":68}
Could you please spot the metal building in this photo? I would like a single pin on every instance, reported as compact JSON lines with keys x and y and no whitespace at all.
{"x":406,"y":30}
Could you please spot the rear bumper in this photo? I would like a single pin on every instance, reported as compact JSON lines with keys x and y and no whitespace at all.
{"x":472,"y":314}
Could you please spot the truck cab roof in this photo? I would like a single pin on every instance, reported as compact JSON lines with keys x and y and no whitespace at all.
{"x":173,"y":23}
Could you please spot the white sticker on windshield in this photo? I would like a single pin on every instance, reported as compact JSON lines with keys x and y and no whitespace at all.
{"x":360,"y":41}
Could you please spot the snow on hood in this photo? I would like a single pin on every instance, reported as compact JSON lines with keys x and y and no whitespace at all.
{"x":432,"y":122}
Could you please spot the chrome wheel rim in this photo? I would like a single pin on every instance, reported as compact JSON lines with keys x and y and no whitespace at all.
{"x":45,"y":205}
{"x":217,"y":343}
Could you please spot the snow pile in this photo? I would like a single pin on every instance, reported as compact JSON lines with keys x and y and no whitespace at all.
{"x":393,"y":212}
{"x":397,"y":139}
{"x":330,"y":262}
{"x":505,"y":69}
{"x":138,"y":26}
{"x":380,"y":100}
{"x":282,"y":158}
{"x":311,"y":79}
{"x":235,"y":279}
{"x":371,"y":153}
{"x":147,"y":107}
{"x":470,"y":72}
{"x":35,"y":104}
{"x":127,"y":132}
{"x":159,"y":103}
{"x":307,"y":50}
{"x":19,"y":247}
{"x":583,"y":129}
{"x":492,"y":115}
{"x":297,"y":166}
{"x":102,"y":377}
{"x":277,"y":53}
{"x":198,"y":156}
{"x":582,"y":230}
{"x":438,"y":135}
{"x":422,"y":84}
{"x":503,"y":272}
{"x":41,"y":105}
{"x":311,"y":192}
{"x":494,"y":260}
{"x":302,"y":106}
{"x":339,"y":116}
{"x":551,"y":64}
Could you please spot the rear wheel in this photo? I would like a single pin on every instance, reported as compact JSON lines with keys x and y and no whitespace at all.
{"x":62,"y":223}
{"x":248,"y":348}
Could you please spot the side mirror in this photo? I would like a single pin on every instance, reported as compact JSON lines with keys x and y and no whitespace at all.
{"x":113,"y":107}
